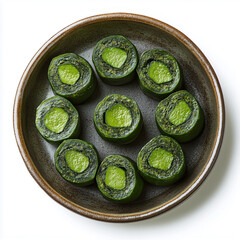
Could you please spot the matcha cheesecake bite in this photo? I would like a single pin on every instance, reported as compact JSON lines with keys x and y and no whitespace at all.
{"x":159,"y":73}
{"x":72,"y":77}
{"x":118,"y":118}
{"x":77,"y":161}
{"x":57,"y":119}
{"x":118,"y":180}
{"x":161,"y":161}
{"x":180,"y":116}
{"x":115,"y":59}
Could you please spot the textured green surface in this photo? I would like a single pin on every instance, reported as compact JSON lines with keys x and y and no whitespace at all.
{"x":121,"y":135}
{"x":180,"y":113}
{"x":71,"y":76}
{"x":68,"y":74}
{"x":76,"y":161}
{"x":118,"y":116}
{"x":114,"y":56}
{"x":159,"y":72}
{"x":180,"y":116}
{"x":56,"y":120}
{"x":160,"y":159}
{"x":115,"y":59}
{"x":115,"y":177}
{"x":118,"y":179}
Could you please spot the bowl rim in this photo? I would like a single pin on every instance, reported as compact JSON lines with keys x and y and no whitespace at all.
{"x":18,"y":131}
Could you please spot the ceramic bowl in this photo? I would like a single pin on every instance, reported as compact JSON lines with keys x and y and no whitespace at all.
{"x":145,"y":33}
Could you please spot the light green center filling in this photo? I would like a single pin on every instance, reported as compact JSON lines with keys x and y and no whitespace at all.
{"x":115,"y":177}
{"x":159,"y":72}
{"x":114,"y":56}
{"x":160,"y":159}
{"x":180,"y":113}
{"x":76,"y":161}
{"x":118,"y":116}
{"x":68,"y":74}
{"x":56,"y":120}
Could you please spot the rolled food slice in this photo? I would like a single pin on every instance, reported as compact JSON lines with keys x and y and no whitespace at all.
{"x":72,"y":77}
{"x":57,"y":119}
{"x":118,"y":180}
{"x":118,"y":118}
{"x":161,"y":161}
{"x":115,"y":59}
{"x":77,"y":161}
{"x":159,"y":73}
{"x":180,"y":116}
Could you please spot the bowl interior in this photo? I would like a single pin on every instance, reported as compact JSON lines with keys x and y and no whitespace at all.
{"x":81,"y":39}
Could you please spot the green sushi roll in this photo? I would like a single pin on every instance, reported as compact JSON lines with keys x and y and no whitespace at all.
{"x":72,"y":77}
{"x":180,"y":116}
{"x":77,"y":161}
{"x":57,"y":119}
{"x":159,"y":73}
{"x":161,"y":161}
{"x":115,"y":59}
{"x":118,"y":118}
{"x":118,"y":180}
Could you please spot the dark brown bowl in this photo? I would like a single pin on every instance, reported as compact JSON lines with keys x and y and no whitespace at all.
{"x":146,"y":33}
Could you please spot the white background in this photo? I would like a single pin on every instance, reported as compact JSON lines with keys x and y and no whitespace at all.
{"x":212,"y":212}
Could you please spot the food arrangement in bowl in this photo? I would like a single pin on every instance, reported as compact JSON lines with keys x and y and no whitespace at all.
{"x":125,"y":124}
{"x":118,"y":118}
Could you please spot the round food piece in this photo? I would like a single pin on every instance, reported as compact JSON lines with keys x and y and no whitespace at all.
{"x":118,"y":180}
{"x":115,"y":59}
{"x":57,"y":119}
{"x":77,"y":161}
{"x":161,"y":161}
{"x":118,"y":118}
{"x":159,"y":73}
{"x":72,"y":77}
{"x":180,"y":116}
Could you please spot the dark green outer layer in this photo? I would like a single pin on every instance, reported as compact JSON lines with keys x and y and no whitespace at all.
{"x":157,"y":176}
{"x":133,"y":185}
{"x":72,"y":127}
{"x":84,"y":178}
{"x":148,"y":86}
{"x":85,"y":85}
{"x":121,"y":135}
{"x":186,"y":131}
{"x":112,"y":75}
